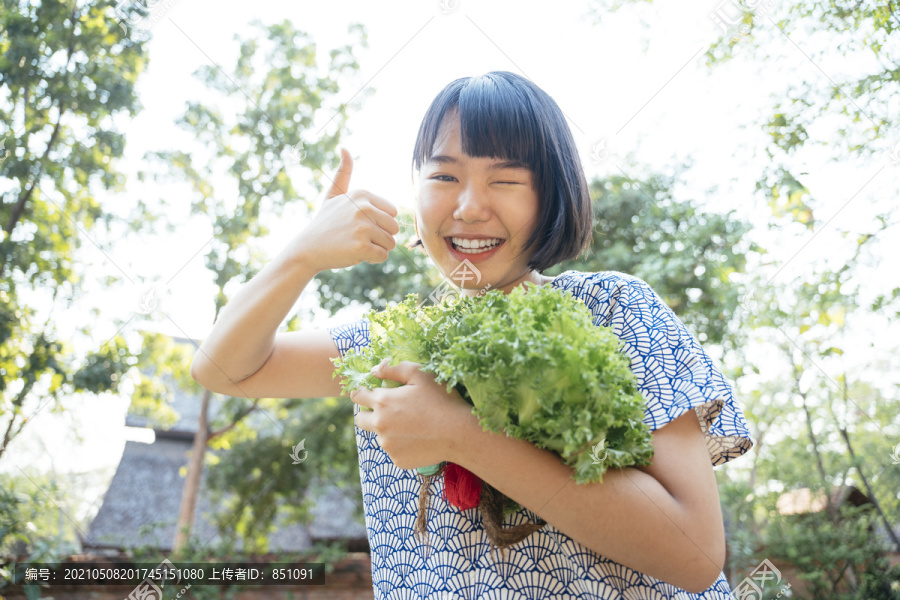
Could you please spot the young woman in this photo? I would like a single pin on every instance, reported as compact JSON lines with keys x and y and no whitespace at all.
{"x":498,"y":183}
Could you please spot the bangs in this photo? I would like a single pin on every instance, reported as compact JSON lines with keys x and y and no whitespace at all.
{"x":497,"y":120}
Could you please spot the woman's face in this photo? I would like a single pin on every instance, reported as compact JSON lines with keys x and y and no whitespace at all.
{"x":466,"y":201}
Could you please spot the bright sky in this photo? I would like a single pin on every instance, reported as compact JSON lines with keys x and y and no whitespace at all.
{"x":645,"y":90}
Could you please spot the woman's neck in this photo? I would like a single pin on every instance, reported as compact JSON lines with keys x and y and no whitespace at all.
{"x":532,"y":277}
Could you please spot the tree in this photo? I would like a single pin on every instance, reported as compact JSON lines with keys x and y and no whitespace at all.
{"x":254,"y":462}
{"x":823,"y":412}
{"x":66,"y":68}
{"x":289,"y":96}
{"x":860,"y":101}
{"x":686,"y":255}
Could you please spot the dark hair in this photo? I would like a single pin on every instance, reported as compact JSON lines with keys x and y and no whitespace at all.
{"x":506,"y":116}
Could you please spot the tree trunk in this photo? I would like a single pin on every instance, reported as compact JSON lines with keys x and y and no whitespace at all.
{"x":761,"y":430}
{"x":191,"y":488}
{"x":829,"y":507}
{"x":869,"y":490}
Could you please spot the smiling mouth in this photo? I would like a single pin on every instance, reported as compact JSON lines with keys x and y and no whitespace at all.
{"x":479,"y":246}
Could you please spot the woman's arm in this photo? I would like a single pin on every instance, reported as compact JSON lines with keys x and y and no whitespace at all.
{"x":664,"y":520}
{"x":243,"y":337}
{"x":243,"y":346}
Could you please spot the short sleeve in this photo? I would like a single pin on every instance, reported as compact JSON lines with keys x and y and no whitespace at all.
{"x":673,"y":371}
{"x":350,"y":336}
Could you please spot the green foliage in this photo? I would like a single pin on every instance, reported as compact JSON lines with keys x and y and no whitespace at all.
{"x":742,"y":537}
{"x":103,"y":370}
{"x":821,"y":425}
{"x":883,"y":303}
{"x":686,"y":255}
{"x":531,"y":363}
{"x":66,"y":70}
{"x":830,"y":416}
{"x":853,"y":29}
{"x":787,"y":196}
{"x":29,"y":522}
{"x":164,"y":367}
{"x":258,"y":465}
{"x":845,"y":552}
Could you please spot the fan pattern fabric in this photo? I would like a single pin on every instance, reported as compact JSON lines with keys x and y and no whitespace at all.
{"x":674,"y":375}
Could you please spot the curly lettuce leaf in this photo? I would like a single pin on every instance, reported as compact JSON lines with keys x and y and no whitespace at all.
{"x":404,"y":331}
{"x":532,"y":364}
{"x":538,"y":369}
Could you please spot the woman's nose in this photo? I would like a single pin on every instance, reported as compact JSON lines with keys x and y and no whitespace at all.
{"x":471,"y":205}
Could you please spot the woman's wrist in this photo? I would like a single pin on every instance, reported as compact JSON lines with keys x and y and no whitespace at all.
{"x":462,"y":430}
{"x":299,"y":261}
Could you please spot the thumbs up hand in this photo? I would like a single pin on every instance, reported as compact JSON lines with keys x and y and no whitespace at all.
{"x":349,"y":227}
{"x":341,"y":180}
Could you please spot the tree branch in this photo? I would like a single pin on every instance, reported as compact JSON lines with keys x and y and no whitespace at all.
{"x":19,"y":207}
{"x":237,"y":419}
{"x":812,"y":437}
{"x":887,"y":524}
{"x":8,"y":435}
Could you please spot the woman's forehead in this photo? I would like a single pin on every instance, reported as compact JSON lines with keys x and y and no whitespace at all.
{"x":448,"y":134}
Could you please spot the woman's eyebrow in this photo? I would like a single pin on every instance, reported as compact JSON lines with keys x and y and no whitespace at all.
{"x":441,"y":159}
{"x":509,"y":164}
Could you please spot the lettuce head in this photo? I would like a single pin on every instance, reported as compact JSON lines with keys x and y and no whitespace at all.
{"x":532,"y":364}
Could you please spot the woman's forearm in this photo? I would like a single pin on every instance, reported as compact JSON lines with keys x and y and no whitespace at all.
{"x":630,"y":517}
{"x":243,"y":336}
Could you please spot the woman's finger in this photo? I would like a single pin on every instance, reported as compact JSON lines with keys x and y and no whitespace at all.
{"x":381,"y":203}
{"x":374,"y":209}
{"x":363,"y":420}
{"x":362,"y":396}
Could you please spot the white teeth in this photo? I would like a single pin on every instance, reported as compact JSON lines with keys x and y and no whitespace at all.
{"x":474,"y":250}
{"x":462,"y":243}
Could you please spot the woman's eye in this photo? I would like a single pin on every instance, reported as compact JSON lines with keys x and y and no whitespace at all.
{"x":448,"y":178}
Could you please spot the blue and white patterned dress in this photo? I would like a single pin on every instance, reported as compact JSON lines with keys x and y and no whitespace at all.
{"x":674,"y":375}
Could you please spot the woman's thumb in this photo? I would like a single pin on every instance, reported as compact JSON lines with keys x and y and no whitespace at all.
{"x":341,"y":182}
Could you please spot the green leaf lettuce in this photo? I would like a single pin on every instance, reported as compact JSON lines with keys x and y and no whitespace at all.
{"x":532,"y":364}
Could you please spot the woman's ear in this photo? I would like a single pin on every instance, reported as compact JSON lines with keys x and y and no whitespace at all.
{"x":418,"y":241}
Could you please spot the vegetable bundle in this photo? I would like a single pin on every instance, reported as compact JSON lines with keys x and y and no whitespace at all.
{"x":532,"y":364}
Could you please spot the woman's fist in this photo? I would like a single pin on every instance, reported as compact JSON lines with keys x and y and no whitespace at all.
{"x":348,"y":228}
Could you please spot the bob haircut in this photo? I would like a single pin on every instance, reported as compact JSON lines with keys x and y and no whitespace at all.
{"x":503,"y":115}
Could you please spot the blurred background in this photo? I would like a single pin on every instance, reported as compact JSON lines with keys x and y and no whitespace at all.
{"x":744,"y":159}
